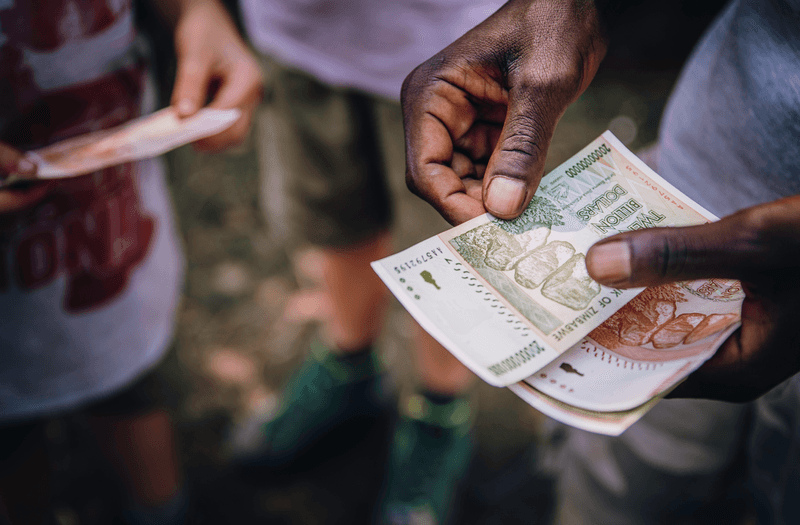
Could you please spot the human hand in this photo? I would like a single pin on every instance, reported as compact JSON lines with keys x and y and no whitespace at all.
{"x":13,"y":162}
{"x":214,"y":61}
{"x":760,"y":246}
{"x":479,"y":115}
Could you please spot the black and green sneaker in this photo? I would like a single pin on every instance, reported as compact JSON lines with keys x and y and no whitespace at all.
{"x":325,"y":394}
{"x":430,"y":452}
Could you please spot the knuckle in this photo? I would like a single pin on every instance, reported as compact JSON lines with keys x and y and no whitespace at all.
{"x":525,"y":136}
{"x":552,"y":73}
{"x":421,"y":77}
{"x":659,"y":253}
{"x":675,"y":255}
{"x":412,"y":184}
{"x":759,"y":226}
{"x":757,"y":220}
{"x":410,"y":83}
{"x":559,"y":78}
{"x":423,"y":182}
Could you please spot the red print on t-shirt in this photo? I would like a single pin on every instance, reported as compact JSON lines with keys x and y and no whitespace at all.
{"x":91,"y":229}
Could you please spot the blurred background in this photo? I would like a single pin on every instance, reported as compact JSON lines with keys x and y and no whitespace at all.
{"x":236,"y":340}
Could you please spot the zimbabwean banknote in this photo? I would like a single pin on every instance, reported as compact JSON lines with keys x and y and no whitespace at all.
{"x":513,"y":300}
{"x":145,"y":137}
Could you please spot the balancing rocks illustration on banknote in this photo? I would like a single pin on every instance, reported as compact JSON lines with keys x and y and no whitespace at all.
{"x":512,"y":300}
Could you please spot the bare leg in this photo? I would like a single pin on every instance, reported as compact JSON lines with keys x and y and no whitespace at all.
{"x":142,"y":450}
{"x":438,"y":370}
{"x":358,"y":298}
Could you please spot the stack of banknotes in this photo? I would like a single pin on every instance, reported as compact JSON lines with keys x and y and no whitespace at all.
{"x":512,"y":300}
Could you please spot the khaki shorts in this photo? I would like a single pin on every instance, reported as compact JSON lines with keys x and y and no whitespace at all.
{"x":333,"y":165}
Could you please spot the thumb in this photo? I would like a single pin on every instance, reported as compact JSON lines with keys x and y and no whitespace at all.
{"x":517,"y":163}
{"x":192,"y":80}
{"x":742,"y":246}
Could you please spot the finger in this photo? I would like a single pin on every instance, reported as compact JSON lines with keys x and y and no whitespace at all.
{"x":725,"y":377}
{"x":463,"y":166}
{"x":455,"y":199}
{"x":242,"y":87}
{"x":517,"y":163}
{"x":232,"y":136}
{"x":429,"y":173}
{"x":746,"y":246}
{"x":435,"y":114}
{"x":192,"y":81}
{"x":13,"y":161}
{"x":474,"y":189}
{"x":480,"y":140}
{"x":743,"y":368}
{"x":440,"y":106}
{"x":718,"y":377}
{"x":241,"y":83}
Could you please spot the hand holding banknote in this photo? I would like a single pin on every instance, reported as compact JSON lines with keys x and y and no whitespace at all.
{"x":479,"y":115}
{"x":214,"y":62}
{"x":14,"y":164}
{"x":513,"y":300}
{"x":759,"y":246}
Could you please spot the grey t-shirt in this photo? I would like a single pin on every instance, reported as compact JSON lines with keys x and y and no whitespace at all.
{"x":364,"y":44}
{"x":91,"y":276}
{"x":730,"y":138}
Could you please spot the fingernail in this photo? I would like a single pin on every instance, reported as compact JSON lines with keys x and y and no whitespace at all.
{"x":610,"y":262}
{"x":185,"y":107}
{"x":505,"y":196}
{"x":24,"y":167}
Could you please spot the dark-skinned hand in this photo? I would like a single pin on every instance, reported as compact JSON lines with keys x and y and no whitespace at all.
{"x":760,"y":246}
{"x":479,"y":116}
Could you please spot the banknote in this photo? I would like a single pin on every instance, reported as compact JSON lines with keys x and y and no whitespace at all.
{"x":609,"y":423}
{"x":514,"y":302}
{"x":145,"y":137}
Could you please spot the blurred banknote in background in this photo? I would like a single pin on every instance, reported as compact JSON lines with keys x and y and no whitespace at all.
{"x":145,"y":137}
{"x":512,"y":300}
